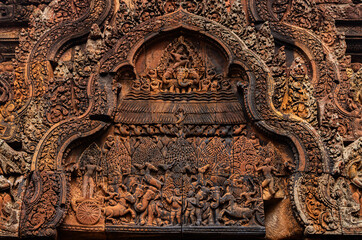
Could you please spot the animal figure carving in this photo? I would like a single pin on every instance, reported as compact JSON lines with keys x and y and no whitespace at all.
{"x":142,"y":205}
{"x":233,"y":210}
{"x":121,"y":209}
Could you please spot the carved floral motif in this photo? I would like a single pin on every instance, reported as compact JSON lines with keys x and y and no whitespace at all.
{"x":294,"y":94}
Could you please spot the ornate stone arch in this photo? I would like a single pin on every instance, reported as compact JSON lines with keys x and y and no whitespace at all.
{"x":259,"y":109}
{"x":257,"y":97}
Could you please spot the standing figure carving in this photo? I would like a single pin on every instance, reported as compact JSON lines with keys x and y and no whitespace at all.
{"x":176,"y":205}
{"x":267,"y":170}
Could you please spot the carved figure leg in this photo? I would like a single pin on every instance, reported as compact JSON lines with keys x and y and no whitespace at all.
{"x":178,"y":216}
{"x":91,"y":187}
{"x":187,"y":217}
{"x":85,"y":186}
{"x":221,"y":214}
{"x":270,"y":184}
{"x":150,"y":214}
{"x":211,"y":218}
{"x":133,"y":215}
{"x":207,"y":216}
{"x":193,"y":217}
{"x":198,"y":216}
{"x":132,"y":212}
{"x":173,"y":213}
{"x":143,"y":217}
{"x":108,"y":213}
{"x":216,"y":216}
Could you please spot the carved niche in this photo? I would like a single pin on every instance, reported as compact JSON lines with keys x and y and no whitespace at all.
{"x":179,"y":151}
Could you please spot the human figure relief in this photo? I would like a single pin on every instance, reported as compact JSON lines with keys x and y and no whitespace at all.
{"x":90,"y":170}
{"x":249,"y":197}
{"x":195,"y":78}
{"x":255,"y":141}
{"x":155,"y":82}
{"x":155,"y":211}
{"x":201,"y":175}
{"x":201,"y":203}
{"x":94,"y":45}
{"x":143,"y":200}
{"x":190,"y":209}
{"x":88,"y":165}
{"x":145,"y":170}
{"x":180,"y":57}
{"x":168,"y":80}
{"x":176,"y":202}
{"x":267,"y":169}
{"x":205,"y":85}
{"x":110,"y":142}
{"x":215,"y":206}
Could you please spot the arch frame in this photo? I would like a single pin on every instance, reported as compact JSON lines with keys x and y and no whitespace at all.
{"x":309,"y":152}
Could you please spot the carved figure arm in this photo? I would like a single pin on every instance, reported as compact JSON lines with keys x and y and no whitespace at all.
{"x":258,"y":169}
{"x":185,"y":205}
{"x":276,"y":171}
{"x":169,"y":199}
{"x":179,"y":200}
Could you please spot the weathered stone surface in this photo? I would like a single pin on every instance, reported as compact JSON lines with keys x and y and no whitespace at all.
{"x":186,"y":118}
{"x":280,"y":222}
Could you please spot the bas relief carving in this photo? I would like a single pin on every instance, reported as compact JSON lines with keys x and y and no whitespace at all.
{"x":180,"y":151}
{"x":180,"y":117}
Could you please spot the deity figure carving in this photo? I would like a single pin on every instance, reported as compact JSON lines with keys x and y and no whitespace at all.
{"x":296,"y":93}
{"x":90,"y":168}
{"x":215,"y":204}
{"x":86,"y":205}
{"x":181,"y":70}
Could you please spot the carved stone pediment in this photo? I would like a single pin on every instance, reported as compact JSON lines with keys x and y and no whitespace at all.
{"x":188,"y":86}
{"x":180,"y":155}
{"x":187,"y":118}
